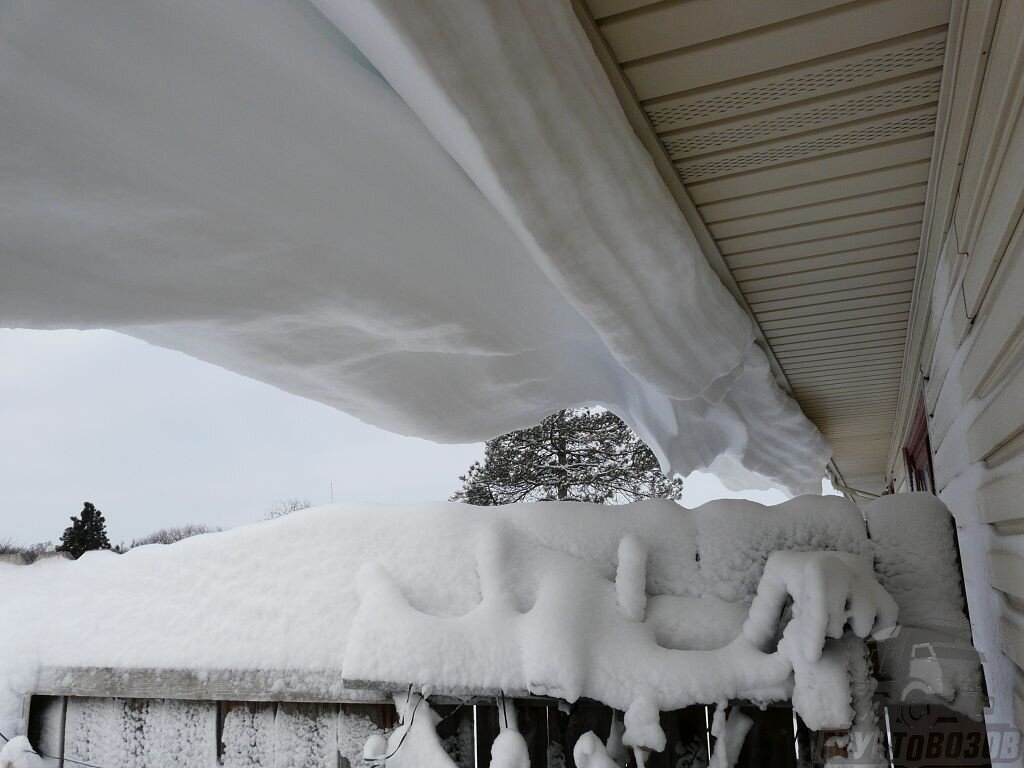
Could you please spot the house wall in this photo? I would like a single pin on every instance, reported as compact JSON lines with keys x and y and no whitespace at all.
{"x":966,"y":348}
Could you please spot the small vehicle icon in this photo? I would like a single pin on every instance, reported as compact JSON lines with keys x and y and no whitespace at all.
{"x":924,"y":672}
{"x":927,"y":663}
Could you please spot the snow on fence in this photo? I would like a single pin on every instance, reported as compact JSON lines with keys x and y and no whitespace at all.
{"x":656,"y":613}
{"x":121,"y":732}
{"x":168,"y":733}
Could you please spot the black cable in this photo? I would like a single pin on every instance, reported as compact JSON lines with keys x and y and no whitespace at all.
{"x":504,"y":712}
{"x":68,"y":760}
{"x":451,"y":714}
{"x":412,"y":719}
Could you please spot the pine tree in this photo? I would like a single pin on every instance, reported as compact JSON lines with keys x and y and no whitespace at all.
{"x":85,"y":533}
{"x":582,"y":454}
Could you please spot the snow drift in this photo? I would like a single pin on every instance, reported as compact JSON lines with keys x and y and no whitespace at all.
{"x":453,"y":252}
{"x":646,"y":606}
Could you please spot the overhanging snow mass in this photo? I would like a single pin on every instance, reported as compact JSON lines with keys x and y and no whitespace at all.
{"x":449,"y":232}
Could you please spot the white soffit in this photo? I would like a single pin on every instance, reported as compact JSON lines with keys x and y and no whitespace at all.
{"x":802,"y":130}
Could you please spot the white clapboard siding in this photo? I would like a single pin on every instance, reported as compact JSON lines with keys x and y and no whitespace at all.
{"x":966,"y":348}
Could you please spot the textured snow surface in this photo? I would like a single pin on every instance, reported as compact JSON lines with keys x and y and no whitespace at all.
{"x":238,"y":182}
{"x":590,"y":752}
{"x":631,"y":578}
{"x":140,"y":733}
{"x":18,"y":753}
{"x":453,"y":595}
{"x":912,"y":538}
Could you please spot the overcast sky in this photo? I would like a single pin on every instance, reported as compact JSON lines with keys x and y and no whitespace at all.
{"x":155,"y":438}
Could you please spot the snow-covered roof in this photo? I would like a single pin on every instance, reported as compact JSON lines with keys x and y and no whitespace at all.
{"x":449,"y":232}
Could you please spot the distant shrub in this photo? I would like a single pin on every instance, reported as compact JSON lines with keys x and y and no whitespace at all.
{"x":287,"y":506}
{"x":172,"y":534}
{"x":31,"y":552}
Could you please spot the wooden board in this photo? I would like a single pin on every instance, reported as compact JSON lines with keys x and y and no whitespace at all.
{"x":216,"y":685}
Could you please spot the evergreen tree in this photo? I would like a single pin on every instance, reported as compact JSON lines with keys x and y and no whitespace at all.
{"x":582,"y":454}
{"x":85,"y":533}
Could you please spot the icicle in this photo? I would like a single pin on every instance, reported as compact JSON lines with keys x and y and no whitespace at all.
{"x":616,"y":750}
{"x":509,"y":749}
{"x":589,"y":752}
{"x":643,"y":726}
{"x":729,"y":732}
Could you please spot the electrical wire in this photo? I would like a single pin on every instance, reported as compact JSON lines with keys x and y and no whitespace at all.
{"x":412,"y":719}
{"x":451,"y":714}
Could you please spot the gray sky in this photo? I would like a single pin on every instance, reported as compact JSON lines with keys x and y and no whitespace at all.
{"x":155,"y":438}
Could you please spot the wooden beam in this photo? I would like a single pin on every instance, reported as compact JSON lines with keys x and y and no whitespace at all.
{"x":309,"y":686}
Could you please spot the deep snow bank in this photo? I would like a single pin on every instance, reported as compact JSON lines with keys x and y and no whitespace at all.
{"x":284,"y":594}
{"x":236,"y":181}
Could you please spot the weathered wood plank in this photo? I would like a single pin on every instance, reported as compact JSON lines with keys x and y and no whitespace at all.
{"x":215,"y":685}
{"x":109,"y":731}
{"x":247,"y":735}
{"x":182,"y":734}
{"x":482,"y":693}
{"x":306,"y":736}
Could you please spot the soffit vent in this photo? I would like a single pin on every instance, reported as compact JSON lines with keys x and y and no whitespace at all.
{"x":690,"y":110}
{"x":818,"y":145}
{"x":889,"y":99}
